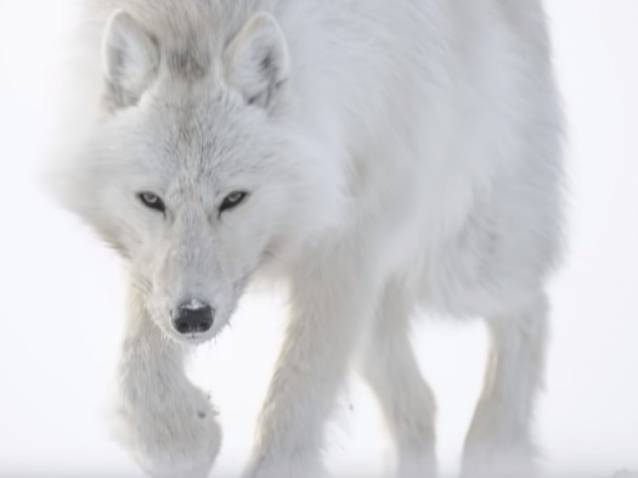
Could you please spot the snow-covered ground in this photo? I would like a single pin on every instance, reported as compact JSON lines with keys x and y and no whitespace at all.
{"x":62,"y":292}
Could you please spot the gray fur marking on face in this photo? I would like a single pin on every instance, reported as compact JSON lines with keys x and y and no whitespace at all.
{"x":189,"y":64}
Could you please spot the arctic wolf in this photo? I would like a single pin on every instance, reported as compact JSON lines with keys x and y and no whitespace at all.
{"x":380,"y":156}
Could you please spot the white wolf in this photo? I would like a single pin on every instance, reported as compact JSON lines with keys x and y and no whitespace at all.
{"x":381,"y":156}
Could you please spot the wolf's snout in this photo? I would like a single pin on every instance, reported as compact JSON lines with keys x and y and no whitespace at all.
{"x":193,"y":317}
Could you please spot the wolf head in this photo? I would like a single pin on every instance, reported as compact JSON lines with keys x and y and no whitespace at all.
{"x":190,"y":173}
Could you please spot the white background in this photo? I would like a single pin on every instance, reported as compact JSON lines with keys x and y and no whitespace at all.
{"x":61,"y":291}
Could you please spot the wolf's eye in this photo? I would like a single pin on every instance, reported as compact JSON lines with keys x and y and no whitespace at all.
{"x":232,"y":201}
{"x":152,"y":201}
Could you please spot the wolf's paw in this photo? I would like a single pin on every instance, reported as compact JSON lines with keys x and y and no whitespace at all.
{"x":174,"y":436}
{"x":497,"y":448}
{"x":284,"y":469}
{"x":498,"y":464}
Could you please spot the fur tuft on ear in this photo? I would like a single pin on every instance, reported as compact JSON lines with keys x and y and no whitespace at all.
{"x":257,"y":60}
{"x":131,"y":59}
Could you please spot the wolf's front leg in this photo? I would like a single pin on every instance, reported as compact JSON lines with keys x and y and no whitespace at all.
{"x":166,"y":423}
{"x":330,"y":303}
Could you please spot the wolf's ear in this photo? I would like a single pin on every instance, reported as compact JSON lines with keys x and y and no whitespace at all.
{"x":131,"y":59}
{"x":257,"y":60}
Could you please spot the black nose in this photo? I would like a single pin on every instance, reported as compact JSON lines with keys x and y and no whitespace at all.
{"x":193,"y":318}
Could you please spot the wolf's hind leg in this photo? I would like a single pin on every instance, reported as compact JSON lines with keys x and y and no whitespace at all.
{"x":407,"y":403}
{"x":499,"y":443}
{"x":165,"y":422}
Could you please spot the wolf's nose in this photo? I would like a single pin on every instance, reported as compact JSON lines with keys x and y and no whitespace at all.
{"x":193,"y":317}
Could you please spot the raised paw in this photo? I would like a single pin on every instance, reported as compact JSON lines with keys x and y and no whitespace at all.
{"x":169,"y":433}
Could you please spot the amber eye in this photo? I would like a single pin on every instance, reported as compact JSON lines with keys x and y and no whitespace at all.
{"x":233,"y":200}
{"x":152,"y":201}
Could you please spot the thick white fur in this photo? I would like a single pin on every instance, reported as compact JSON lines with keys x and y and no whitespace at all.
{"x":398,"y":154}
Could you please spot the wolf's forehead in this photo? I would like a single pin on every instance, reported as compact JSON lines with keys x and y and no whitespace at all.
{"x":204,"y":142}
